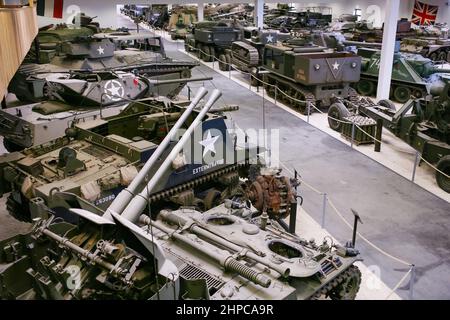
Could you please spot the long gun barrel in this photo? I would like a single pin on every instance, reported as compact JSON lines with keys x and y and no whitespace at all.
{"x":134,"y":209}
{"x":185,"y":80}
{"x":125,"y":196}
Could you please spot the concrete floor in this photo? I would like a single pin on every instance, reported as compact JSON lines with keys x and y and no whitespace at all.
{"x":398,"y":216}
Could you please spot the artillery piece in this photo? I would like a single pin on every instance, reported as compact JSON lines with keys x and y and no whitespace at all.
{"x":423,"y":123}
{"x":230,"y":251}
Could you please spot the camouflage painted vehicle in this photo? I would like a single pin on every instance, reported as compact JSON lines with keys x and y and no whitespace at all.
{"x":233,"y":250}
{"x":65,"y":97}
{"x":431,"y":42}
{"x":212,"y":38}
{"x":309,"y":73}
{"x":412,"y":74}
{"x":98,"y":158}
{"x":423,"y":123}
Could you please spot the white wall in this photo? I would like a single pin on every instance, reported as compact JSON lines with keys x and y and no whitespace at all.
{"x":106,"y":9}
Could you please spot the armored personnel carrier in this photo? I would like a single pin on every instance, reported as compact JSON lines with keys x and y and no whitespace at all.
{"x":430,"y":41}
{"x":211,"y":38}
{"x":310,"y":73}
{"x":423,"y":123}
{"x":65,"y":97}
{"x":412,"y":74}
{"x":231,"y":250}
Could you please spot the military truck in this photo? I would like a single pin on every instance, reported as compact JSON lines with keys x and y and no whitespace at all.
{"x":423,"y":123}
{"x":231,"y":250}
{"x":412,"y":74}
{"x":309,"y":73}
{"x":209,"y":39}
{"x":68,"y":96}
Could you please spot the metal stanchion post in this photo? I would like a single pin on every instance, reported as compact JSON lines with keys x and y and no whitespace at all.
{"x":229,"y":71}
{"x":411,"y":282}
{"x":308,"y":110}
{"x":324,"y":206}
{"x":378,"y":135}
{"x":276,"y":89}
{"x":416,"y":162}
{"x":353,"y":133}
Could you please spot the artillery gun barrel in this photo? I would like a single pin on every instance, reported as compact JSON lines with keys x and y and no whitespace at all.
{"x":226,"y":261}
{"x":186,"y":80}
{"x":362,"y":44}
{"x":139,"y":202}
{"x":228,"y":108}
{"x":125,"y":196}
{"x":200,"y":231}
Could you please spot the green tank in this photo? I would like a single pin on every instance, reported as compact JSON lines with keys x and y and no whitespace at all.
{"x":412,"y":74}
{"x":310,"y":73}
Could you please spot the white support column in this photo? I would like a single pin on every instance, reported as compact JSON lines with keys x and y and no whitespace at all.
{"x":259,"y":13}
{"x":200,"y":10}
{"x":387,"y":51}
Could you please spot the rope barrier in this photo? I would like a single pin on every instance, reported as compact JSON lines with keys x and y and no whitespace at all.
{"x":399,"y":283}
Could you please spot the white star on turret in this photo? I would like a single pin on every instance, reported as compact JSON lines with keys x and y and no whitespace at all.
{"x":336,"y":65}
{"x":208,"y":143}
{"x":269,"y":38}
{"x":101,"y":50}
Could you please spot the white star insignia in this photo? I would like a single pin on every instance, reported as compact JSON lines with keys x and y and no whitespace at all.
{"x":269,"y":38}
{"x":336,"y":65}
{"x":101,"y":50}
{"x":208,"y":143}
{"x":114,"y":90}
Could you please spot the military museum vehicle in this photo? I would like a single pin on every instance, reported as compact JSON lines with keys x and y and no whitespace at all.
{"x":431,"y":41}
{"x":209,"y":39}
{"x":133,"y":249}
{"x":412,"y":74}
{"x":309,"y":73}
{"x":423,"y":123}
{"x":96,"y":158}
{"x":299,"y":20}
{"x":65,"y":97}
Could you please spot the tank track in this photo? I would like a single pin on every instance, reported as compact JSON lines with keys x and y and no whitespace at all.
{"x":329,"y":289}
{"x":297,"y":91}
{"x":246,"y":61}
{"x":166,"y":194}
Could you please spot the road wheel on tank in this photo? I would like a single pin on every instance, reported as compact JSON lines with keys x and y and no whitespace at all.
{"x":336,"y":113}
{"x":387,"y":104}
{"x":442,"y":56}
{"x":19,"y":211}
{"x":198,"y":46}
{"x":444,"y":166}
{"x":433,"y":56}
{"x":223,"y":63}
{"x":418,"y":93}
{"x":365,"y":87}
{"x":228,"y":59}
{"x":207,"y":54}
{"x":348,"y":286}
{"x":11,"y":146}
{"x":402,"y":94}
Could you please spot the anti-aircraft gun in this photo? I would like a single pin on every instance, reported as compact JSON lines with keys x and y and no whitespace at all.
{"x":230,"y":251}
{"x":68,"y":96}
{"x":412,"y":74}
{"x":310,"y":73}
{"x":423,"y":123}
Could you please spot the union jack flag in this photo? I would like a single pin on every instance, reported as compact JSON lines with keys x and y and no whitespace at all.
{"x":424,"y":14}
